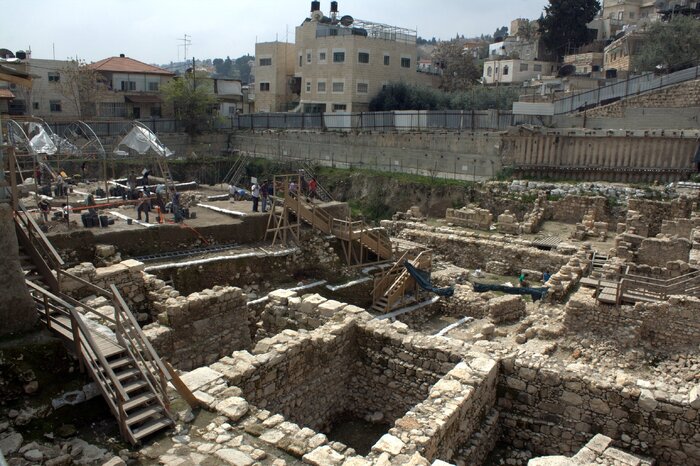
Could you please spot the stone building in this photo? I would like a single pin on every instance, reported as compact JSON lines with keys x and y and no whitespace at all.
{"x":275,"y":86}
{"x":133,"y":88}
{"x":340,"y":63}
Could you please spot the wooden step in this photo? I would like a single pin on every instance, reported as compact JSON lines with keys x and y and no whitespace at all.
{"x":120,"y":362}
{"x":151,"y":427}
{"x":134,"y":386}
{"x":138,"y":417}
{"x":127,"y":373}
{"x":139,"y":400}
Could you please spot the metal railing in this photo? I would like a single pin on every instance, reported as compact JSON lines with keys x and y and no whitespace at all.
{"x":410,"y":120}
{"x":619,"y":90}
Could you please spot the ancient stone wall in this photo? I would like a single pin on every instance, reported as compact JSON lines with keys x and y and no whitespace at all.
{"x":573,"y":208}
{"x":505,"y":256}
{"x":658,"y":251}
{"x":549,"y":408}
{"x":682,"y":227}
{"x":470,"y":217}
{"x":655,"y":212}
{"x":641,"y":323}
{"x":127,"y":276}
{"x":200,"y":328}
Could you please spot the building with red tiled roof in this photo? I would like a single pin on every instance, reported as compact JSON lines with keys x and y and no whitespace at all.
{"x":134,"y":88}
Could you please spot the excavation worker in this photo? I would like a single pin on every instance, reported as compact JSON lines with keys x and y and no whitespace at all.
{"x":313,"y":186}
{"x":144,"y":205}
{"x":255,"y":192}
{"x":263,"y":195}
{"x":175,"y":205}
{"x":44,"y":208}
{"x":546,"y":276}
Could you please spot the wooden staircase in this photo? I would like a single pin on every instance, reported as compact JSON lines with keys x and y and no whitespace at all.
{"x":358,"y":239}
{"x":630,"y":288}
{"x":123,"y":364}
{"x":235,"y":173}
{"x":396,"y":287}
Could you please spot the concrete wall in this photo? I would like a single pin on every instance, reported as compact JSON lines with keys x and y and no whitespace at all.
{"x":444,"y":154}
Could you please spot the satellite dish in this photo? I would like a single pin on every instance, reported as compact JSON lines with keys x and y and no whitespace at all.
{"x":566,"y":70}
{"x":346,"y":20}
{"x":4,"y":53}
{"x":317,"y":15}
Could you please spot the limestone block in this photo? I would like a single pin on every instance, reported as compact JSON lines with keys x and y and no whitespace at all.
{"x":323,"y":456}
{"x":133,"y":265}
{"x":233,"y":407}
{"x":330,"y":308}
{"x":390,"y":444}
{"x":281,"y":296}
{"x":200,"y":377}
{"x":235,"y":457}
{"x":310,"y":303}
{"x":551,"y":461}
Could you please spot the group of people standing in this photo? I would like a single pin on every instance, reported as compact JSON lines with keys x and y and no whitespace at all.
{"x":263,"y":192}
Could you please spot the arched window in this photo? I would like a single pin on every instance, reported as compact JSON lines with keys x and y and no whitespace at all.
{"x":505,"y":70}
{"x":489,"y":71}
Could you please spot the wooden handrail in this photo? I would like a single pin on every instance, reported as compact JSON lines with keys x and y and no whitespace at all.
{"x":67,"y":309}
{"x":385,"y":276}
{"x":151,"y":352}
{"x":44,"y":240}
{"x":112,"y":377}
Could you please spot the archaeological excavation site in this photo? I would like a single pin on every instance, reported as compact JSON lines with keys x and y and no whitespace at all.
{"x":261,"y":298}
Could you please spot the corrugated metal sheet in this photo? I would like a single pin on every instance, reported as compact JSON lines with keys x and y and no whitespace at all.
{"x":533,"y":108}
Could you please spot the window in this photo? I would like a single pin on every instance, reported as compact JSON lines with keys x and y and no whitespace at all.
{"x":339,"y":107}
{"x":55,"y":105}
{"x":128,"y":86}
{"x":321,"y":86}
{"x":264,"y":87}
{"x":35,"y":106}
{"x":321,"y":56}
{"x":308,"y":86}
{"x":489,"y":71}
{"x":338,"y":57}
{"x":54,"y":77}
{"x":362,"y":88}
{"x":338,"y":87}
{"x":300,"y":61}
{"x":266,"y":62}
{"x":387,"y":60}
{"x":524,"y":67}
{"x":505,"y":70}
{"x":363,"y":57}
{"x":155,"y":111}
{"x":631,"y":14}
{"x":308,"y":57}
{"x":405,"y":62}
{"x":536,"y":67}
{"x":620,"y":15}
{"x":153,"y":87}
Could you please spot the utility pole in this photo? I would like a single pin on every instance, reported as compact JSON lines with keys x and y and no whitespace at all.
{"x":194,"y":76}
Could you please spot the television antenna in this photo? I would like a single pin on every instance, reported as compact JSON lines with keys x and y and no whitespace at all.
{"x":186,"y":42}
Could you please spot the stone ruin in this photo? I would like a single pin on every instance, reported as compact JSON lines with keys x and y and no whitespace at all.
{"x":470,"y":217}
{"x":590,"y":228}
{"x":476,"y":378}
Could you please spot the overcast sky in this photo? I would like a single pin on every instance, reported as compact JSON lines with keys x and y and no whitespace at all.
{"x":148,"y":30}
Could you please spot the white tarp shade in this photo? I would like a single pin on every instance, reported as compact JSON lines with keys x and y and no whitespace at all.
{"x":42,"y":142}
{"x":141,"y":139}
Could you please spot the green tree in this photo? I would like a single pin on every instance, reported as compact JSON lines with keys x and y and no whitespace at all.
{"x":669,"y":46}
{"x":192,"y":97}
{"x":401,"y":96}
{"x":564,"y":24}
{"x":82,"y":86}
{"x":458,"y":69}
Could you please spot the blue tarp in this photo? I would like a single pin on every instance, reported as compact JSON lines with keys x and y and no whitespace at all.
{"x":536,"y":293}
{"x":423,"y":279}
